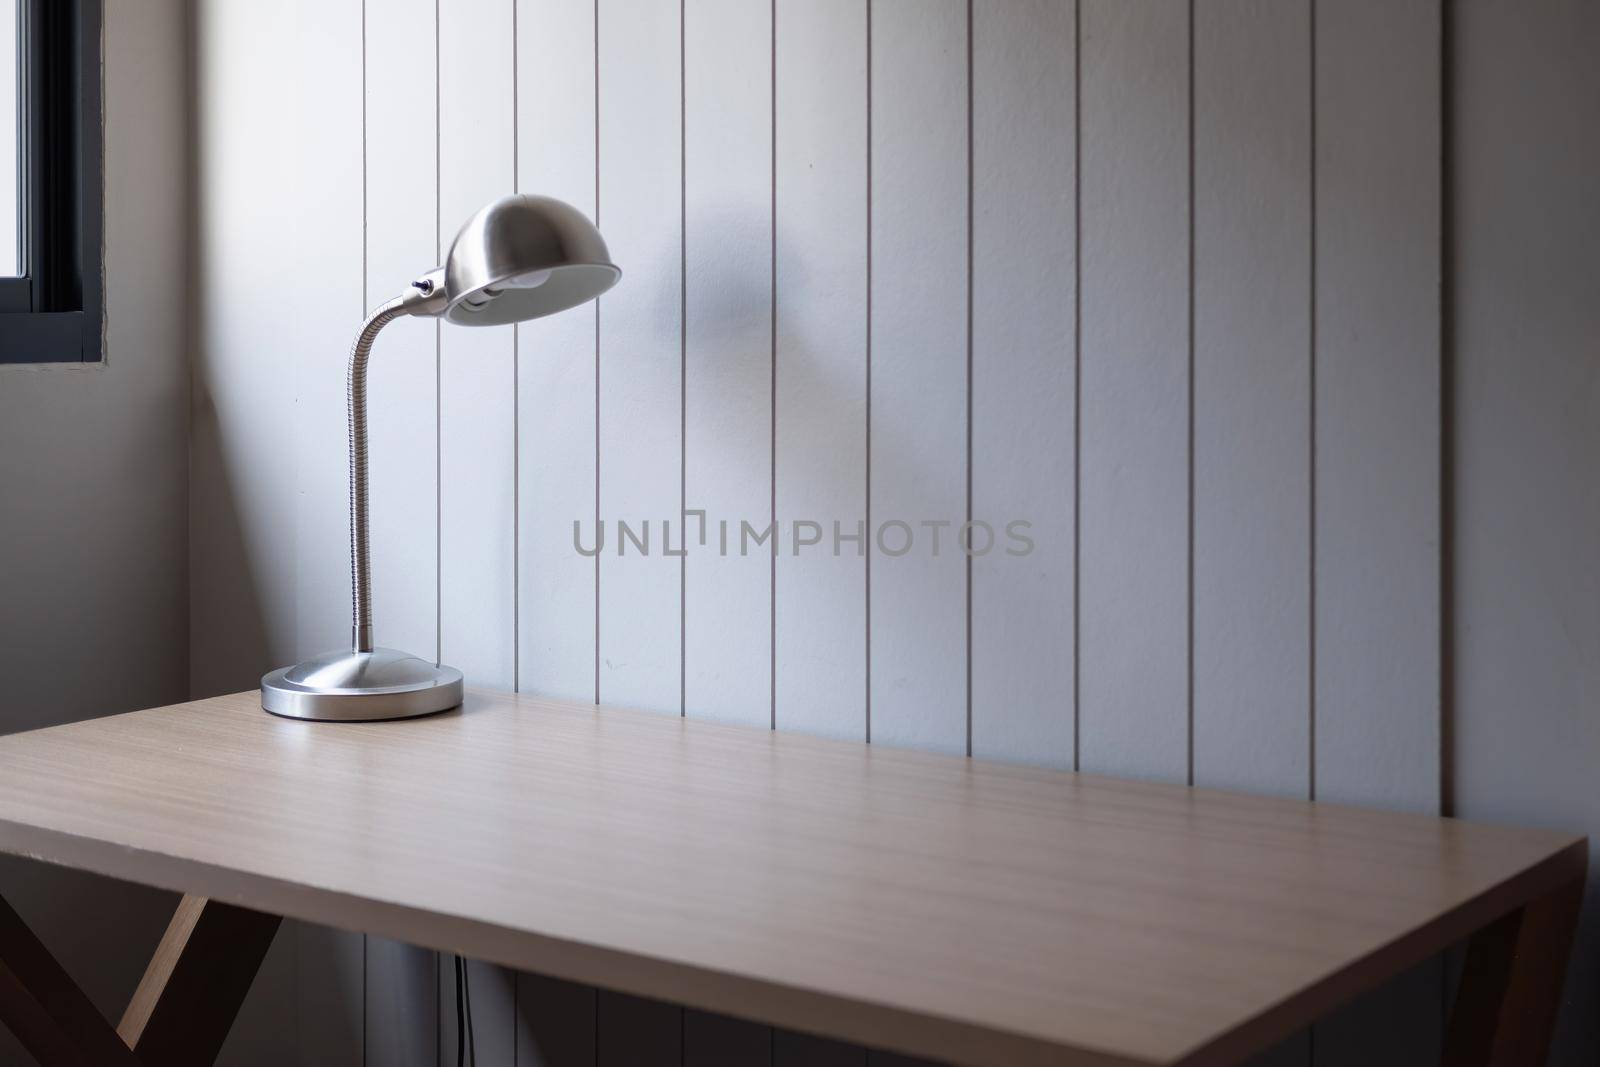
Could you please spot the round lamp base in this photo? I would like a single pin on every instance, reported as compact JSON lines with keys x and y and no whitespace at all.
{"x":346,"y":686}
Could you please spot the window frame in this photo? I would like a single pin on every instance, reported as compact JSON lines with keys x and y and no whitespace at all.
{"x":55,"y":313}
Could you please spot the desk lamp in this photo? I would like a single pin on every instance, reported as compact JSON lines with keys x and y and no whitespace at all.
{"x":519,"y":258}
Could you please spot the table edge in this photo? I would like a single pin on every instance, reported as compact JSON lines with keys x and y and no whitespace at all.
{"x":876,"y":1025}
{"x":1392,"y":958}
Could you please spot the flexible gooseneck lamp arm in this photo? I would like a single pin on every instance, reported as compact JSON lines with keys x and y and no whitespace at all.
{"x":425,"y":296}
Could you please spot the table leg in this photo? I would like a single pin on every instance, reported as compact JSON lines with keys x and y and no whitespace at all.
{"x":1505,"y":1008}
{"x":45,"y":1009}
{"x":179,"y":1015}
{"x":196,"y":981}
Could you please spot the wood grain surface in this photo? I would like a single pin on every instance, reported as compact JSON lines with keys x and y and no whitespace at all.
{"x":974,"y":912}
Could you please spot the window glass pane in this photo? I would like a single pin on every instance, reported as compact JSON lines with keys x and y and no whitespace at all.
{"x":10,"y":140}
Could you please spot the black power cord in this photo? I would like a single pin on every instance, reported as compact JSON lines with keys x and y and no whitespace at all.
{"x":466,"y":1047}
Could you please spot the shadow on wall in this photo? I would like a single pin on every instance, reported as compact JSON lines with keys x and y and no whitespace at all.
{"x":730,"y":343}
{"x":230,"y":648}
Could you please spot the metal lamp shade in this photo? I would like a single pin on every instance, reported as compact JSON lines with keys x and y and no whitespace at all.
{"x":523,"y":257}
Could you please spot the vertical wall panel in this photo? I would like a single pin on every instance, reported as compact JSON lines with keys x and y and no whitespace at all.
{"x":1252,"y":397}
{"x":477,"y":399}
{"x":640,"y":212}
{"x":1523,"y":388}
{"x":555,"y":1023}
{"x":242,"y":544}
{"x":556,"y":447}
{"x":402,"y":241}
{"x":556,"y":362}
{"x":727,"y":160}
{"x":1378,"y":403}
{"x":329,"y":986}
{"x":326,"y":191}
{"x":1377,"y":454}
{"x":402,"y":1005}
{"x":641,"y":351}
{"x":635,"y":1032}
{"x":918,"y":424}
{"x":1133,"y":563}
{"x":477,"y":413}
{"x":711,"y":1040}
{"x":821,"y":191}
{"x":556,"y":440}
{"x":728,"y":365}
{"x":1252,"y":371}
{"x":327,"y":196}
{"x":1024,"y":295}
{"x":263,"y":1033}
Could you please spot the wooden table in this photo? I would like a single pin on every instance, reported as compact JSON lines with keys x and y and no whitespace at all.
{"x":968,"y":911}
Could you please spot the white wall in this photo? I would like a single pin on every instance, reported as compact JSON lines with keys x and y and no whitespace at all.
{"x":1018,"y":259}
{"x":1525,"y":313}
{"x":94,"y":497}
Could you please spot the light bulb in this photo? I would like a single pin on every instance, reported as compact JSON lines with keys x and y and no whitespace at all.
{"x":531,"y":280}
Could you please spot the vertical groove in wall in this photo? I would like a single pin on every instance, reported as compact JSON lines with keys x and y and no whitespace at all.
{"x":683,"y":399}
{"x":363,"y":310}
{"x":868,"y":508}
{"x":683,"y":364}
{"x":597,"y":305}
{"x":1077,"y":371}
{"x":438,"y":424}
{"x":1311,"y":448}
{"x":1311,"y":421}
{"x":438,"y":379}
{"x":772,"y":390}
{"x":1189,"y":623}
{"x":970,"y":231}
{"x":1446,"y":448}
{"x":516,"y":406}
{"x":1447,"y":799}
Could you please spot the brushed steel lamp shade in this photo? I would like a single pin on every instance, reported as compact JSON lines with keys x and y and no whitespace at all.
{"x":519,"y":258}
{"x":522,"y":258}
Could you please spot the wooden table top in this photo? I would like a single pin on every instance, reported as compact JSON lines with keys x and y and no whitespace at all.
{"x":969,"y":911}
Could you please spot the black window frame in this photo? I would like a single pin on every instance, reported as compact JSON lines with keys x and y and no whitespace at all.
{"x":55,"y":313}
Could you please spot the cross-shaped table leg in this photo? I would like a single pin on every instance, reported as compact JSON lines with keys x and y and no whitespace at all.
{"x":179,"y":1015}
{"x":1511,"y":983}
